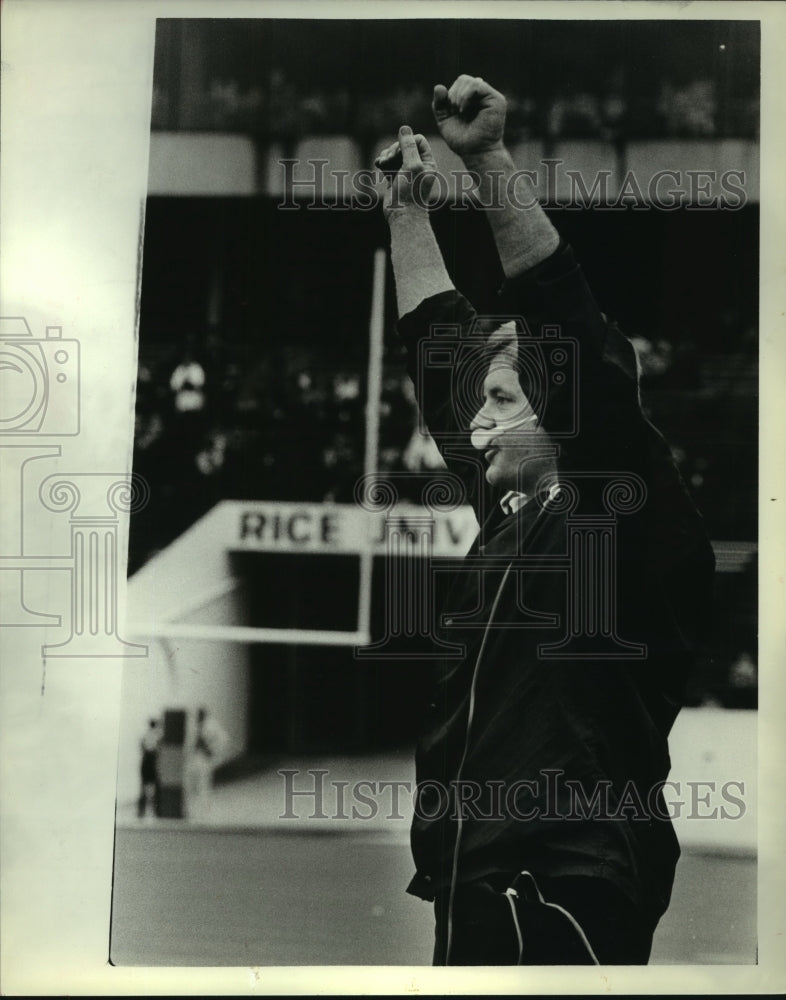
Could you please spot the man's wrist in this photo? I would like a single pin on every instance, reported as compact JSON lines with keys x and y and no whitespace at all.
{"x":493,"y":158}
{"x":409,"y":215}
{"x":418,"y":267}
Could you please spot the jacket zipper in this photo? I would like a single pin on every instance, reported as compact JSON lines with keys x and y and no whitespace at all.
{"x":470,"y":714}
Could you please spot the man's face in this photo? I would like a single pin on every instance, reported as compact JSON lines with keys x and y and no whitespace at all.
{"x":518,"y":452}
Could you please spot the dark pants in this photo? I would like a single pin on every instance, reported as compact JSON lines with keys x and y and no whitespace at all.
{"x":485,"y":931}
{"x":150,"y":783}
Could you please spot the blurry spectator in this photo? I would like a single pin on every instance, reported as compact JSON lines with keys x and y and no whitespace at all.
{"x":187,"y":386}
{"x":613,"y":111}
{"x":688,"y":110}
{"x":743,"y":672}
{"x":522,"y":120}
{"x":743,"y":682}
{"x":653,"y":359}
{"x":210,"y":746}
{"x":614,"y":106}
{"x":210,"y":460}
{"x":697,"y":473}
{"x":398,"y":417}
{"x":422,"y":454}
{"x":343,"y":466}
{"x":389,"y":459}
{"x":283,"y":120}
{"x":346,"y":387}
{"x":150,"y":790}
{"x":148,"y":428}
{"x":575,"y":115}
{"x":187,"y":383}
{"x":144,"y":378}
{"x":227,"y":107}
{"x":314,"y":114}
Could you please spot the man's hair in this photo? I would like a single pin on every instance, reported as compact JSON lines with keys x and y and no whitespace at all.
{"x":506,"y":346}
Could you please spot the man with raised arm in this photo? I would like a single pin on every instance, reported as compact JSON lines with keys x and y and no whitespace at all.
{"x":541,"y":832}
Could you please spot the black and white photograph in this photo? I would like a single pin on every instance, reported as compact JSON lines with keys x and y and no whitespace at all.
{"x":392,"y":533}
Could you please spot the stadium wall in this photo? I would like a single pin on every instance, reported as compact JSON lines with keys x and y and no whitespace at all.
{"x":214,"y":164}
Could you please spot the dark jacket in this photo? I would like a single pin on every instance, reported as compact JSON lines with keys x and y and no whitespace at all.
{"x":580,"y":615}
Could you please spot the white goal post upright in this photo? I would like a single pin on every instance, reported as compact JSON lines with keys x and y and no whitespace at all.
{"x":361,"y":635}
{"x":373,"y":398}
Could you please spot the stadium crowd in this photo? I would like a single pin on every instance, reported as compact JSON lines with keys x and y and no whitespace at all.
{"x":280,"y":80}
{"x":213,"y":424}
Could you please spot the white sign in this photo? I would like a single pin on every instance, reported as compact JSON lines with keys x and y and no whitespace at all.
{"x":348,"y":529}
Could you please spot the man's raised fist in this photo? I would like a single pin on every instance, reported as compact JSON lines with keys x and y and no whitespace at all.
{"x":470,"y":115}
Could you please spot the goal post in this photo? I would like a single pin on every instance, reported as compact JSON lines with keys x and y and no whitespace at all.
{"x":362,"y":543}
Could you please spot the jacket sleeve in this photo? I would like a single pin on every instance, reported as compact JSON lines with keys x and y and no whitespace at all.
{"x":444,"y":352}
{"x":580,"y":369}
{"x":591,"y":407}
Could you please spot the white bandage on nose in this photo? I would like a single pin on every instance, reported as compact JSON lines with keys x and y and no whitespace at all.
{"x":481,"y":437}
{"x":514,"y":422}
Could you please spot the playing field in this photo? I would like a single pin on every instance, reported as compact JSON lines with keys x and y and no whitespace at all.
{"x":210,"y":897}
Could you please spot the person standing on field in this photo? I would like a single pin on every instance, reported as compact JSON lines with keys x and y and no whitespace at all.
{"x":540,"y":830}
